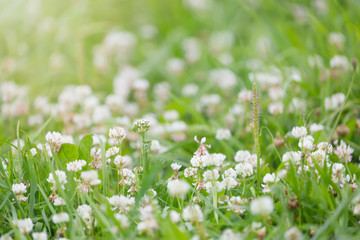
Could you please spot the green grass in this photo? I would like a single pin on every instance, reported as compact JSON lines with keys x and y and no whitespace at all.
{"x":33,"y":32}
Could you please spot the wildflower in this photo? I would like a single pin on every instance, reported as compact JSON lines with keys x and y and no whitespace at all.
{"x":117,"y":134}
{"x":344,"y":152}
{"x":262,"y":205}
{"x":85,"y":212}
{"x":75,"y":166}
{"x":335,"y":101}
{"x":175,"y":166}
{"x":190,"y":90}
{"x":122,"y":203}
{"x":244,"y":96}
{"x":91,"y":177}
{"x":33,"y":151}
{"x":229,"y":173}
{"x":241,"y":156}
{"x":123,"y":219}
{"x":306,"y":143}
{"x":19,"y":190}
{"x":339,"y":62}
{"x":190,"y":172}
{"x":202,"y":150}
{"x":141,"y":126}
{"x":299,"y":132}
{"x":55,"y":140}
{"x":223,"y":134}
{"x":178,"y":188}
{"x":244,"y":169}
{"x":293,"y":234}
{"x":223,"y":78}
{"x":59,"y":201}
{"x":61,"y":177}
{"x":229,"y":183}
{"x":325,"y":146}
{"x":39,"y":236}
{"x":316,"y":127}
{"x":229,"y":234}
{"x":276,"y":108}
{"x":294,"y":157}
{"x":112,"y":151}
{"x":236,"y":204}
{"x":60,"y":217}
{"x":24,"y":225}
{"x":193,"y":213}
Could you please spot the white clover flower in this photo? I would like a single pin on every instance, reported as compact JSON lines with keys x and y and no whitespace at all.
{"x":299,"y":132}
{"x":228,"y":234}
{"x":337,"y":169}
{"x":193,"y":213}
{"x":335,"y":101}
{"x":19,"y":188}
{"x":112,"y":151}
{"x":175,"y":66}
{"x":344,"y":152}
{"x":120,"y":161}
{"x":59,"y":201}
{"x":141,"y":126}
{"x":91,"y":177}
{"x":337,"y":39}
{"x":245,"y":96}
{"x":356,"y":210}
{"x":316,"y":127}
{"x":215,"y":159}
{"x":294,"y":157}
{"x":128,"y":176}
{"x":244,"y":169}
{"x":229,"y":183}
{"x":61,"y":175}
{"x":55,"y":140}
{"x":229,"y":173}
{"x":190,"y":90}
{"x":174,"y":216}
{"x":33,"y":151}
{"x":306,"y":143}
{"x":319,"y":156}
{"x":60,"y":218}
{"x":117,"y":134}
{"x":276,"y":108}
{"x":122,"y":203}
{"x":263,"y":205}
{"x":340,"y":62}
{"x":85,"y":212}
{"x":190,"y":172}
{"x":39,"y":236}
{"x":198,"y":161}
{"x":75,"y":166}
{"x":178,"y":188}
{"x":223,"y":134}
{"x":210,"y":175}
{"x":175,"y":166}
{"x":24,"y":225}
{"x":223,"y":78}
{"x":270,"y":178}
{"x":325,"y":146}
{"x":216,"y":186}
{"x":293,"y":234}
{"x":123,"y":219}
{"x":241,"y":156}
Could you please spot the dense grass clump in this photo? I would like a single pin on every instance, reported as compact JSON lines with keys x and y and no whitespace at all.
{"x":181,"y":119}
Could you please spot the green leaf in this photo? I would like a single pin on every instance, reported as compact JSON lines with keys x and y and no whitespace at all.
{"x":170,"y":231}
{"x":68,"y":152}
{"x":85,"y":147}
